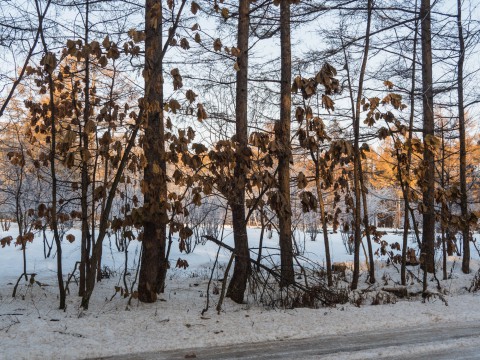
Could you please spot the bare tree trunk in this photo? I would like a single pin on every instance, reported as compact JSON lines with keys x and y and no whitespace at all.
{"x":85,"y":253}
{"x":53,"y":145}
{"x":366,"y":224}
{"x":357,"y":165}
{"x":154,"y":264}
{"x":282,"y":133}
{"x":19,"y":216}
{"x":241,"y":270}
{"x":428,"y":185}
{"x":106,"y":170}
{"x":463,"y":150}
{"x":406,"y":187}
{"x":104,"y":218}
{"x":260,"y":241}
{"x":444,"y":210}
{"x":323,"y":216}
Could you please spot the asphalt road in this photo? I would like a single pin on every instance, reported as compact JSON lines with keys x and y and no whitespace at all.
{"x":446,"y":341}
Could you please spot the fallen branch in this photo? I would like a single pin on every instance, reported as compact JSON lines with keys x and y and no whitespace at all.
{"x":400,"y":291}
{"x":324,"y":300}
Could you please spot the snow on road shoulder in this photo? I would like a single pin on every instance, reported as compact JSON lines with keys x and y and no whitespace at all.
{"x":31,"y":326}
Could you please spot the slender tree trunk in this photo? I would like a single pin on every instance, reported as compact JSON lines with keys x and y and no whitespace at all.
{"x":84,"y":253}
{"x":241,"y":270}
{"x":428,"y":185}
{"x":53,"y":145}
{"x":463,"y":149}
{"x":105,"y":183}
{"x":93,"y":205}
{"x":260,"y":242}
{"x":444,"y":211}
{"x":20,"y":222}
{"x":104,"y":218}
{"x":19,"y":216}
{"x":357,"y":171}
{"x":154,"y":264}
{"x":282,"y":133}
{"x":323,"y":217}
{"x":54,"y":224}
{"x":406,"y":187}
{"x":366,"y":224}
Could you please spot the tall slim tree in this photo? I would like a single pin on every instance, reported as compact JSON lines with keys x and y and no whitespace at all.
{"x":428,"y":184}
{"x":49,"y":62}
{"x":406,"y":186}
{"x":238,"y":283}
{"x":282,"y":133}
{"x":323,"y":215}
{"x":84,"y":142}
{"x":357,"y":165}
{"x":463,"y":151}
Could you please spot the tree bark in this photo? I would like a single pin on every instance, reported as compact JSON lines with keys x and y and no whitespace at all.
{"x":357,"y":164}
{"x":428,"y":185}
{"x":463,"y":149}
{"x":282,"y":133}
{"x":323,"y":216}
{"x":85,"y":241}
{"x":154,"y":264}
{"x":53,"y":144}
{"x":260,"y":241}
{"x":241,"y":270}
{"x":406,"y":187}
{"x":366,"y":224}
{"x":444,"y":210}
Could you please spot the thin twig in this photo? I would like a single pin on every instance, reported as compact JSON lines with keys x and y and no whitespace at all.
{"x":224,"y":283}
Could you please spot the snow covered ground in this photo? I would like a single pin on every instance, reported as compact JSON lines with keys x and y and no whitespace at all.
{"x":31,"y":326}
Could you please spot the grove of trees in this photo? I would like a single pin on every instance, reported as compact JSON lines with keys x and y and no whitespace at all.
{"x":164,"y":121}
